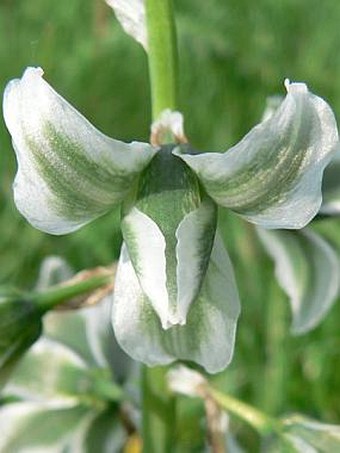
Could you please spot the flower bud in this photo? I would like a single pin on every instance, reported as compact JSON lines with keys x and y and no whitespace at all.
{"x":20,"y":327}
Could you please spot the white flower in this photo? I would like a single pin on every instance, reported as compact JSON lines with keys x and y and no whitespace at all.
{"x":175,"y":292}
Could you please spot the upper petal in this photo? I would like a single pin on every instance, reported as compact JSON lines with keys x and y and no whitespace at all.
{"x":68,"y":172}
{"x":131,"y":15}
{"x":273,"y":175}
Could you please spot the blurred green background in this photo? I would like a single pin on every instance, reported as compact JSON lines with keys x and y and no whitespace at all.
{"x":233,"y":53}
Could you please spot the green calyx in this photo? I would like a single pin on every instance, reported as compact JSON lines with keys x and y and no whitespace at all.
{"x":20,"y":327}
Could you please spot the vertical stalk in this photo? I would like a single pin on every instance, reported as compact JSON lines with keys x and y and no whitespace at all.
{"x":158,"y":403}
{"x":158,"y":412}
{"x":162,"y":55}
{"x":276,"y":371}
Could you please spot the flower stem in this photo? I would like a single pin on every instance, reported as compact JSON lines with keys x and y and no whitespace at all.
{"x":158,"y":412}
{"x":58,"y":294}
{"x":158,"y":403}
{"x":261,"y":422}
{"x":162,"y":55}
{"x":277,"y":367}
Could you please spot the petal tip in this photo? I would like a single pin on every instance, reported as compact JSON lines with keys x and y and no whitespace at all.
{"x":295,"y":87}
{"x":32,"y":71}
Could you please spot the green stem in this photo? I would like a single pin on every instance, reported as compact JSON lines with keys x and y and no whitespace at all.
{"x":61,"y":293}
{"x":276,"y":369}
{"x":158,"y":412}
{"x":262,"y":423}
{"x":158,"y":403}
{"x":162,"y":55}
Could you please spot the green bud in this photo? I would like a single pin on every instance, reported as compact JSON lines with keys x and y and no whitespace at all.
{"x":20,"y":327}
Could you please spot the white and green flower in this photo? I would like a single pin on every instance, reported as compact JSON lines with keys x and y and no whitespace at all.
{"x":175,"y":293}
{"x":301,"y":434}
{"x":73,"y":405}
{"x":307,"y":266}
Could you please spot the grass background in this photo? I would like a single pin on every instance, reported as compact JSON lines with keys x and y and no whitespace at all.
{"x":233,"y":54}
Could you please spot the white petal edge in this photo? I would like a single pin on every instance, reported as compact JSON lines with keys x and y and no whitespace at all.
{"x":132,"y":17}
{"x":272,"y":177}
{"x":68,"y":172}
{"x":53,"y":270}
{"x":149,"y":260}
{"x":207,"y":338}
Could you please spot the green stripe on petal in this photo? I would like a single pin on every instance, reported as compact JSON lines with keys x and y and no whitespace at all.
{"x":209,"y":334}
{"x":68,"y":172}
{"x":195,"y":236}
{"x":63,"y":379}
{"x":273,"y":175}
{"x":307,"y":269}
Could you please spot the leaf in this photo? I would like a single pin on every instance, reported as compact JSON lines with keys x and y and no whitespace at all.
{"x":272,"y":177}
{"x":307,"y":269}
{"x":69,"y":173}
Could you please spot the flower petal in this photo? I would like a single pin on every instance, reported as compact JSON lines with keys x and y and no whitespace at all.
{"x":307,"y":269}
{"x":131,"y":15}
{"x":42,"y":428}
{"x":169,"y":229}
{"x":69,"y":173}
{"x":195,"y":235}
{"x":208,"y":336}
{"x":53,"y":270}
{"x":273,"y":176}
{"x":319,"y":436}
{"x":147,"y":247}
{"x":331,"y":187}
{"x":64,"y":374}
